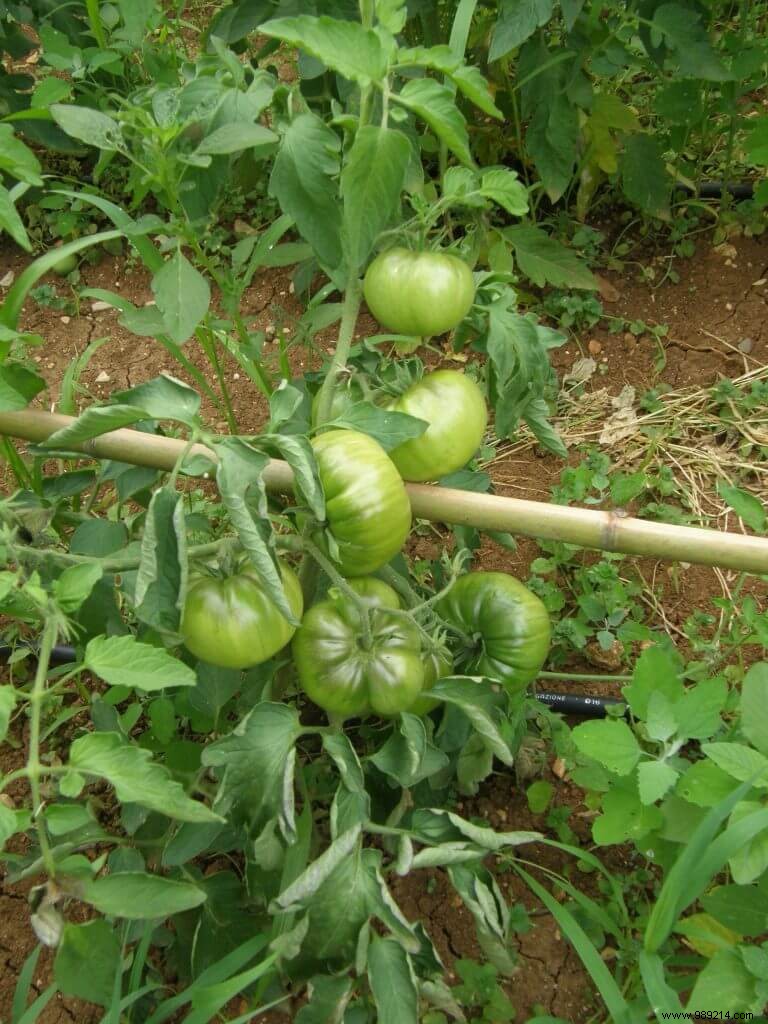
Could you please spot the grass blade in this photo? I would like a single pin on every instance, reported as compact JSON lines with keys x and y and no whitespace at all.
{"x":14,"y":300}
{"x":690,"y":872}
{"x":661,"y":997}
{"x":569,"y":926}
{"x":21,"y":994}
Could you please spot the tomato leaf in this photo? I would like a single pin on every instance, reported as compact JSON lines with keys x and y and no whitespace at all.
{"x":644,"y":175}
{"x":87,"y":961}
{"x":257,"y":759}
{"x":387,"y":427}
{"x":345,"y":46}
{"x":371,"y":183}
{"x":392,"y":981}
{"x":96,"y":420}
{"x":754,"y":706}
{"x":137,"y":896}
{"x":546,"y":261}
{"x":10,"y":220}
{"x":408,"y":756}
{"x":135,"y":777}
{"x":477,"y":699}
{"x":125,"y":661}
{"x":161,"y":581}
{"x":303,"y":181}
{"x":183,"y":296}
{"x":434,"y":104}
{"x":75,"y":584}
{"x":517,"y":21}
{"x":552,"y":139}
{"x":471,"y":83}
{"x":503,"y":187}
{"x":234,"y":138}
{"x":239,"y":475}
{"x":297,"y":452}
{"x":163,"y":398}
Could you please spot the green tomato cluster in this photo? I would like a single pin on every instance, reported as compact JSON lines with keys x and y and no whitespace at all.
{"x":344,"y":668}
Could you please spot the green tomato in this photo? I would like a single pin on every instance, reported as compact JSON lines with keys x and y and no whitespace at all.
{"x":343,"y":678}
{"x":419,"y":293}
{"x":455,"y":409}
{"x":65,"y":265}
{"x":437,"y":664}
{"x":367,"y":508}
{"x":508,"y":624}
{"x":233,"y":623}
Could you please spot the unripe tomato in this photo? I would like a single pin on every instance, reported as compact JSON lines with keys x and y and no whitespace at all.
{"x":455,"y":409}
{"x":509,"y":625}
{"x":65,"y":265}
{"x":367,"y":508}
{"x":232,"y":622}
{"x":437,"y":664}
{"x":342,"y":677}
{"x":419,"y":293}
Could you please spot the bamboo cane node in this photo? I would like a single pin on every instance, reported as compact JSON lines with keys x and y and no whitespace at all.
{"x":610,"y":529}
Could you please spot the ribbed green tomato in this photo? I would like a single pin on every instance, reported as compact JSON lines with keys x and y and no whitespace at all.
{"x":367,"y":508}
{"x":455,"y":409}
{"x":509,"y":625}
{"x":419,"y":293}
{"x":231,"y":622}
{"x":343,"y":678}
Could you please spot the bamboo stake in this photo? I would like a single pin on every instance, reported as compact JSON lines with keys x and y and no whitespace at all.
{"x":607,"y":531}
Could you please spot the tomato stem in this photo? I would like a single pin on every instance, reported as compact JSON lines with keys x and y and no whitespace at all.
{"x":349,"y":313}
{"x":33,"y":766}
{"x":366,"y":638}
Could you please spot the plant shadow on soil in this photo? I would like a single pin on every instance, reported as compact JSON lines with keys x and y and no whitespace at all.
{"x":720,"y":300}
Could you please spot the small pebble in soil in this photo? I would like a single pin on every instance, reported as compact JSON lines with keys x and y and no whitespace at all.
{"x":66,"y":319}
{"x":746,"y":345}
{"x":729,"y":306}
{"x":7,"y":279}
{"x":269,"y":329}
{"x":103,"y":378}
{"x":235,"y":376}
{"x":99,"y":307}
{"x":50,"y":365}
{"x":594,"y":346}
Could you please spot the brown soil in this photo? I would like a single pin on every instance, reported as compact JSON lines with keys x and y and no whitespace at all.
{"x":720,"y":300}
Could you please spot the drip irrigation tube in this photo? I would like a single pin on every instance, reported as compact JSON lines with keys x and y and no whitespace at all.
{"x":714,"y":189}
{"x":566,"y":703}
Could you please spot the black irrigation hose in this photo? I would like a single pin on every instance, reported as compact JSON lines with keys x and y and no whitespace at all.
{"x":566,"y":703}
{"x":714,"y":189}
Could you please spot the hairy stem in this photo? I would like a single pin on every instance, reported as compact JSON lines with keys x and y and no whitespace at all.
{"x":341,"y":584}
{"x":33,"y":758}
{"x":343,"y":344}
